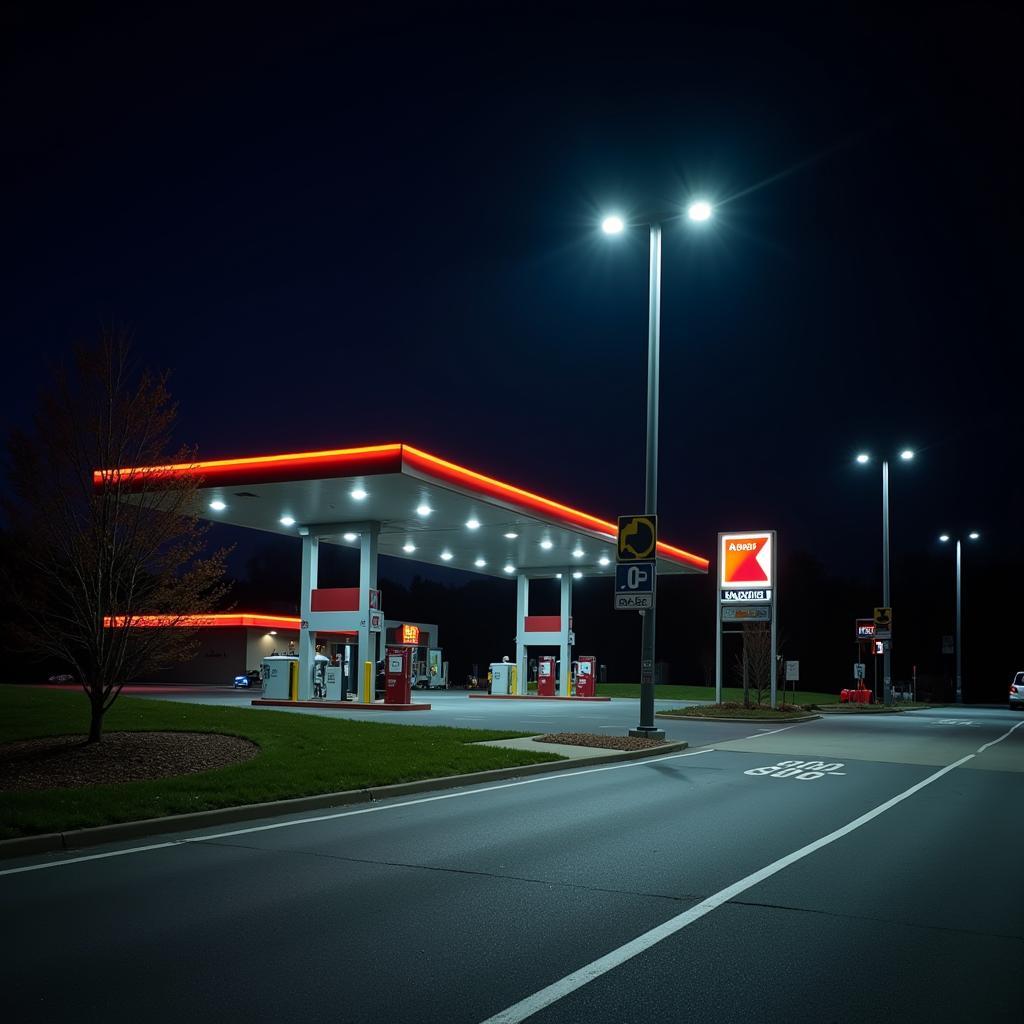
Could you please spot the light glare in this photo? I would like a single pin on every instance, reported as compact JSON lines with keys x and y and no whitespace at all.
{"x":943,"y":537}
{"x":612,"y":225}
{"x":863,"y":457}
{"x":479,"y":563}
{"x":358,"y":493}
{"x":287,"y":521}
{"x":472,"y":524}
{"x":699,"y":210}
{"x":408,"y":547}
{"x":217,"y":505}
{"x":511,"y":536}
{"x":446,"y":556}
{"x":906,"y":455}
{"x":423,"y":510}
{"x":974,"y":535}
{"x":349,"y":536}
{"x":510,"y":568}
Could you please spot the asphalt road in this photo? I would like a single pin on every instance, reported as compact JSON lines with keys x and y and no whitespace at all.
{"x":881,"y":882}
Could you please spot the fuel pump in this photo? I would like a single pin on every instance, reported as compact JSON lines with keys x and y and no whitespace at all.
{"x":586,"y":676}
{"x":545,"y":676}
{"x":398,"y":676}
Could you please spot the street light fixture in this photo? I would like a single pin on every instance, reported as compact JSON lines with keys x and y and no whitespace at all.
{"x":906,"y":455}
{"x":973,"y":535}
{"x":698,"y":210}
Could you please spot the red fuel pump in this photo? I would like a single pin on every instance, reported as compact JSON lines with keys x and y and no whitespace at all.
{"x":545,"y":676}
{"x":586,"y":676}
{"x":398,"y":676}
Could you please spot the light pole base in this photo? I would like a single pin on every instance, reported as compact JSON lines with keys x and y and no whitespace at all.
{"x":647,"y":732}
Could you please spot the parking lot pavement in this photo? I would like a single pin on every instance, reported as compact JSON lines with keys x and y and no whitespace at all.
{"x":725,"y":883}
{"x":456,"y":708}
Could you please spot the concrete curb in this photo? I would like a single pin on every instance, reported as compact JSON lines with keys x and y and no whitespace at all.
{"x":60,"y":841}
{"x":722,"y":718}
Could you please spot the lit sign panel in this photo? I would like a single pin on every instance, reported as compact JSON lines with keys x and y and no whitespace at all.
{"x":410,"y":634}
{"x":745,"y":562}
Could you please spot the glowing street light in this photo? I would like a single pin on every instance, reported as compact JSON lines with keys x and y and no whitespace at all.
{"x":863,"y":458}
{"x":945,"y":538}
{"x":699,"y":210}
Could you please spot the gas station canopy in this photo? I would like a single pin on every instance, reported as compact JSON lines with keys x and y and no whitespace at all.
{"x":428,"y":510}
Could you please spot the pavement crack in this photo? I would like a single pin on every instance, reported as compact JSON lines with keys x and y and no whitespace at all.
{"x":500,"y":876}
{"x":761,"y":905}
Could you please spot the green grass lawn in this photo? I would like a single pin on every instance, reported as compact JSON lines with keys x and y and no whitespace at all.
{"x":707,"y":693}
{"x":300,"y":755}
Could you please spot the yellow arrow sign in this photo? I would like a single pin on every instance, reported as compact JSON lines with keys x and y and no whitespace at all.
{"x":638,"y":538}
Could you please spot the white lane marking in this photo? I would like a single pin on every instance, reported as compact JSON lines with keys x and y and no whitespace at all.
{"x":981,"y":750}
{"x":571,"y":982}
{"x":758,"y":735}
{"x":804,"y":770}
{"x":347,"y":814}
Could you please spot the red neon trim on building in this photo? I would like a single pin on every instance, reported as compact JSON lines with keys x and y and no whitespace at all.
{"x":497,"y":489}
{"x":251,"y":620}
{"x":377,"y":459}
{"x":369,"y":460}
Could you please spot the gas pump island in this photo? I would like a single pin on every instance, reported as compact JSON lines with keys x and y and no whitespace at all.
{"x":400,"y":501}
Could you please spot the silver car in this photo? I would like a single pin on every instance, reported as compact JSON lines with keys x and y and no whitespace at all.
{"x":1017,"y":691}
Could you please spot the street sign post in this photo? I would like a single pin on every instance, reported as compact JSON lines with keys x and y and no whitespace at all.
{"x":883,"y":623}
{"x":634,"y":586}
{"x":858,"y":670}
{"x":792,"y":671}
{"x":747,"y":569}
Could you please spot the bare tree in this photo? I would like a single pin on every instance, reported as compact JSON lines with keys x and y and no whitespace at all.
{"x":100,"y":541}
{"x":754,"y":663}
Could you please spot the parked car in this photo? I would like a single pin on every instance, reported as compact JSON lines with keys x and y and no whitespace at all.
{"x":1017,"y":691}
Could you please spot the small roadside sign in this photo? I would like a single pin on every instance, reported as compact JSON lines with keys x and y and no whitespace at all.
{"x":865,"y":629}
{"x":858,"y":670}
{"x":947,"y":645}
{"x":638,"y":538}
{"x":634,"y":586}
{"x":883,"y":618}
{"x":792,"y":671}
{"x":747,"y":613}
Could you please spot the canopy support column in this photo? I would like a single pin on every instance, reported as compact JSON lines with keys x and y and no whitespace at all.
{"x":307,"y":637}
{"x":565,"y":648}
{"x":367,"y":637}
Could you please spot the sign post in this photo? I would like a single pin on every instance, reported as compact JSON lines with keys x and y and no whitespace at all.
{"x":635,"y":585}
{"x":747,"y":568}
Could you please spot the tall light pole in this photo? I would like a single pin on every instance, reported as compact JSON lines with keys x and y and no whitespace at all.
{"x":958,"y":643}
{"x":698,"y":211}
{"x":906,"y":456}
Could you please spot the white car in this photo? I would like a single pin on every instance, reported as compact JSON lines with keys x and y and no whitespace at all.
{"x":1017,"y":691}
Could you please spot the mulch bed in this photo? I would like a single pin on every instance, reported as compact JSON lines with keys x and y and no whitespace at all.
{"x":593,"y":739}
{"x":68,"y":762}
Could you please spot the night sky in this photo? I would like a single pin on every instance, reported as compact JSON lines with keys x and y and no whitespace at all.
{"x":377,"y":224}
